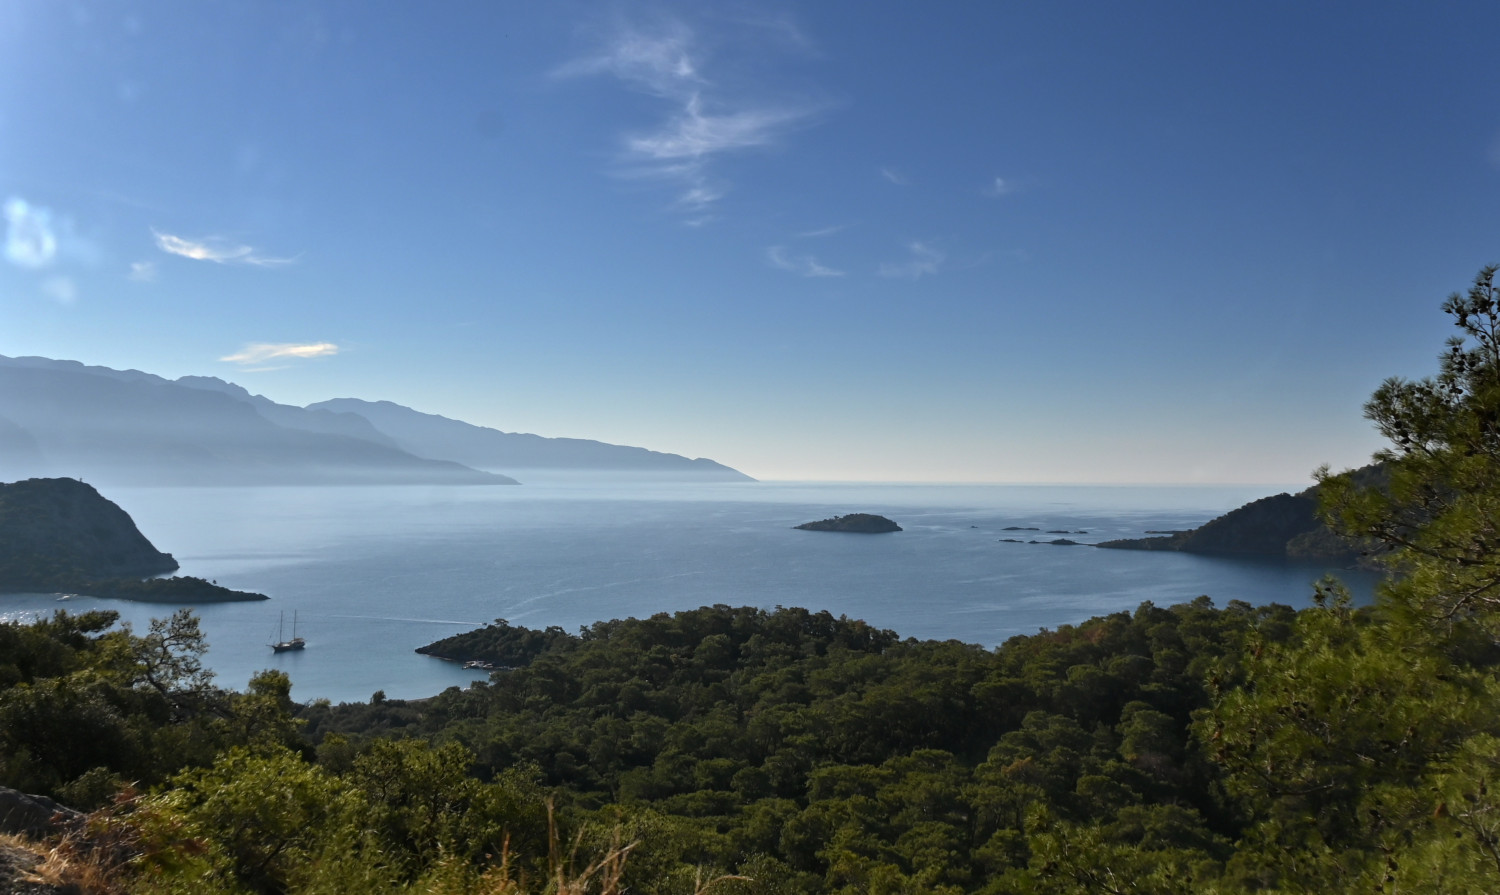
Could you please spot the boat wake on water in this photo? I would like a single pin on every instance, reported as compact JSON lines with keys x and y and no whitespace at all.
{"x":420,"y":621}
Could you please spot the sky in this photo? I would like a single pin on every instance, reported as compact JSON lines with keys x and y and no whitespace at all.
{"x":1066,"y":242}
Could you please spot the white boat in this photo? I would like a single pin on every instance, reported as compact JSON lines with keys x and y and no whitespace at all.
{"x":281,"y":644}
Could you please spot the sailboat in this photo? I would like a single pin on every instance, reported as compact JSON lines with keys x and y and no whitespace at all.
{"x":282,"y":644}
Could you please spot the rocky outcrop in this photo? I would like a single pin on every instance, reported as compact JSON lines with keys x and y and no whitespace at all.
{"x":857,"y":523}
{"x":36,"y":817}
{"x":33,"y":825}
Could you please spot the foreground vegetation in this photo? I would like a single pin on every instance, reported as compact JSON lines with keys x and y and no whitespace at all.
{"x":1168,"y":750}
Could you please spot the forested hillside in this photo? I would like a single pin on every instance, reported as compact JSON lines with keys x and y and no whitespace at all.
{"x":59,"y":535}
{"x":1180,"y":749}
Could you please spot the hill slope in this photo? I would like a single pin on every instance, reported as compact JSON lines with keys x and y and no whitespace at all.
{"x":1280,"y":525}
{"x":73,"y":525}
{"x":62,"y":535}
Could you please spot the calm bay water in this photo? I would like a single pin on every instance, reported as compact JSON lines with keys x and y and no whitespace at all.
{"x":373,"y":573}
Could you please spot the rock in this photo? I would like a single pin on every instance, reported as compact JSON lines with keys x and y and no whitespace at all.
{"x":22,"y":814}
{"x":1018,"y":528}
{"x":18,"y":872}
{"x":857,"y":523}
{"x":1064,"y":542}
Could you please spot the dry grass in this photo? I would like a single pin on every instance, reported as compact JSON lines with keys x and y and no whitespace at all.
{"x":602,"y":876}
{"x":88,"y":858}
{"x":69,"y":863}
{"x":606,"y":871}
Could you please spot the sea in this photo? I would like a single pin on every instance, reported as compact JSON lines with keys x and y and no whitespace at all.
{"x":368,"y":574}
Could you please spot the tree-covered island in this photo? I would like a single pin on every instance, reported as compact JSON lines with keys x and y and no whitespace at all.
{"x":857,"y":523}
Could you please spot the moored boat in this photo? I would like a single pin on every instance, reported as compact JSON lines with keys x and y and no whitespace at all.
{"x":281,"y":644}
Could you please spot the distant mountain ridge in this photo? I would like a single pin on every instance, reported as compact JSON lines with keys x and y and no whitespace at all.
{"x":304,"y":418}
{"x":133,"y":428}
{"x":430,"y":435}
{"x":62,"y":418}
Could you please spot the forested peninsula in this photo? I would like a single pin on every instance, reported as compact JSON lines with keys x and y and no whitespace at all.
{"x":1163,"y":751}
{"x":61,"y":536}
{"x":1282,"y":525}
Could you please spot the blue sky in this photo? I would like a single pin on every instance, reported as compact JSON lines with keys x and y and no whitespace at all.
{"x":1091,"y":242}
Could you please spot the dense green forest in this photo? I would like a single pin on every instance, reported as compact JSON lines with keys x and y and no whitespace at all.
{"x":1181,"y":749}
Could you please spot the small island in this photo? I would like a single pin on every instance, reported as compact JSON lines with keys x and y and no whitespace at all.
{"x":856,"y":523}
{"x":496,"y":647}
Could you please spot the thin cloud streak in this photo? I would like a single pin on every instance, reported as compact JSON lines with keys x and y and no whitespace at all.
{"x":214,"y":249}
{"x":260,"y":352}
{"x":694,"y":134}
{"x":999,"y":187}
{"x":143,"y":271}
{"x":894,"y":176}
{"x":924,"y":261}
{"x":665,"y":62}
{"x":805,"y":265}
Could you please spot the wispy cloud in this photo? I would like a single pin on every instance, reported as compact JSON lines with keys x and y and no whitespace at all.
{"x":143,"y":271}
{"x":260,"y":352}
{"x":660,"y":61}
{"x":704,"y":122}
{"x":923,"y":261}
{"x":806,"y":265}
{"x":894,"y":176}
{"x":215,"y":249}
{"x":30,"y":240}
{"x":999,"y":187}
{"x":821,"y":231}
{"x":694,"y":134}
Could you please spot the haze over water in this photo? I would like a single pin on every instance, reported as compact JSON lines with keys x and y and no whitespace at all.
{"x":373,"y":573}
